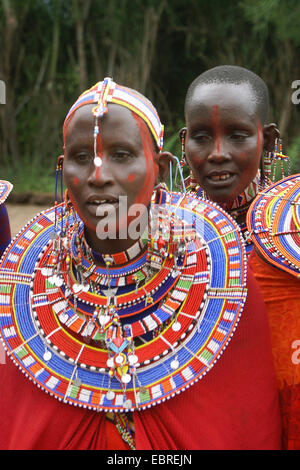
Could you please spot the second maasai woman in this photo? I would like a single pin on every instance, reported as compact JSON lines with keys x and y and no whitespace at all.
{"x":229,"y":147}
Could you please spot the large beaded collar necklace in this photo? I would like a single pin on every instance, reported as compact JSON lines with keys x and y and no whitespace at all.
{"x":274,"y":224}
{"x":5,"y":189}
{"x":92,"y":341}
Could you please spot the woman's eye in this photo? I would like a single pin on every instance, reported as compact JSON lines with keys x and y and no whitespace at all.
{"x":202,"y":137}
{"x":121,"y":156}
{"x":239,"y":136}
{"x":82,"y":157}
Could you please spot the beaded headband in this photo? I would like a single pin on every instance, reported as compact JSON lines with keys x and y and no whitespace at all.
{"x":108,"y":91}
{"x":5,"y":189}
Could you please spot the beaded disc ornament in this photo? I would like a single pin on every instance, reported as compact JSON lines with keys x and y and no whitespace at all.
{"x":175,"y":322}
{"x":274,"y":223}
{"x":5,"y":189}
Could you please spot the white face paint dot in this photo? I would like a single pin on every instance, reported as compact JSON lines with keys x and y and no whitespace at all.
{"x":97,"y":161}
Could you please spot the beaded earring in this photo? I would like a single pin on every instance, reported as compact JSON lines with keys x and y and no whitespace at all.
{"x":280,"y":157}
{"x":267,"y":164}
{"x":182,"y":135}
{"x":191,"y":182}
{"x":58,"y":182}
{"x":53,"y":262}
{"x":182,"y":163}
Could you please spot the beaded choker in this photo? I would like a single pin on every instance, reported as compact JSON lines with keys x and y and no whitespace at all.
{"x":5,"y":189}
{"x":237,"y":208}
{"x":132,"y":346}
{"x":273,"y":221}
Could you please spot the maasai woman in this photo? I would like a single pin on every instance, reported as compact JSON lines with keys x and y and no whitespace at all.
{"x":226,"y":112}
{"x":226,"y":132}
{"x":151,"y":335}
{"x":5,"y":234}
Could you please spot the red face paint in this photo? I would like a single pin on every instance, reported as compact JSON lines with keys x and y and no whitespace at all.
{"x":99,"y":154}
{"x":76,"y":181}
{"x":215,"y":115}
{"x":131,"y":178}
{"x":152,"y":170}
{"x":259,"y":140}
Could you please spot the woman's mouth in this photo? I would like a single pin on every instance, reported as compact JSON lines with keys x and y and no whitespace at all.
{"x":102,"y":206}
{"x":220,"y":177}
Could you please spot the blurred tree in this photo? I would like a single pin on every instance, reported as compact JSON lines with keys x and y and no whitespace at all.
{"x":51,"y":50}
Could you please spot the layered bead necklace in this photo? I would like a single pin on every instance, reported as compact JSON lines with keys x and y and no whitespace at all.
{"x":123,"y":337}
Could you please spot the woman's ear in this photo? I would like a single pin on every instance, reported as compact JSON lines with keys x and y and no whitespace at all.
{"x":182,"y":133}
{"x":271,"y":133}
{"x":164,"y":159}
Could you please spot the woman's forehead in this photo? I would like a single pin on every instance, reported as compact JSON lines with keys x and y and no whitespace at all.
{"x":225,"y":98}
{"x":118,"y":120}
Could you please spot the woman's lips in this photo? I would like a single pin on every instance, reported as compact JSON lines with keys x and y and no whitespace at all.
{"x":220,"y":179}
{"x":102,"y":207}
{"x":222,"y":176}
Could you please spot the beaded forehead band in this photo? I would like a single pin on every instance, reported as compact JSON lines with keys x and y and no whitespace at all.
{"x":108,"y":91}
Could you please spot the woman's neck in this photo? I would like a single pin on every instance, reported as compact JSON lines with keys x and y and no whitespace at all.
{"x":108,"y":245}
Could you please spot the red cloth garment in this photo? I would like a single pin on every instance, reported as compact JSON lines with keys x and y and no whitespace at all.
{"x":281,"y":292}
{"x":234,"y":406}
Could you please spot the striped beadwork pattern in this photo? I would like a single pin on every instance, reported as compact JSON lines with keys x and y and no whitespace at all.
{"x":197,"y":311}
{"x":274,"y":223}
{"x":114,"y":93}
{"x":5,"y":189}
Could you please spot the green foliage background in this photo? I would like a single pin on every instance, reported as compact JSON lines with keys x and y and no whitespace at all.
{"x":52,"y":50}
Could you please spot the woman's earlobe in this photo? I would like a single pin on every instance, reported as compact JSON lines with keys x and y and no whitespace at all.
{"x":271,"y":133}
{"x":182,"y":133}
{"x":60,"y":161}
{"x":165,"y":158}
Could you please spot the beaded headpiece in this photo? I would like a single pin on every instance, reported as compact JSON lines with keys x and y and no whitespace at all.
{"x":108,"y":91}
{"x":5,"y":189}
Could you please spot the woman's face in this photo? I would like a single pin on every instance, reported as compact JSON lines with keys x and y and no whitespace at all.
{"x":224,"y":139}
{"x":127,"y":173}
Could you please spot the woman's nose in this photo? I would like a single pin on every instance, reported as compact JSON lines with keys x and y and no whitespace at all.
{"x":100,"y":173}
{"x":219,"y":152}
